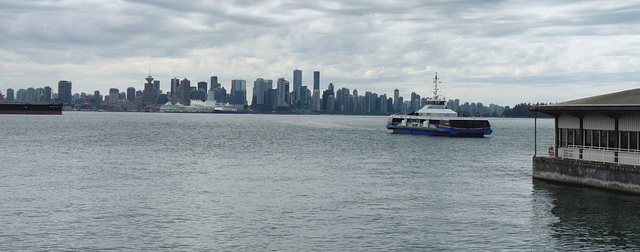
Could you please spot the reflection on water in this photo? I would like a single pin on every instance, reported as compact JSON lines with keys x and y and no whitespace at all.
{"x":586,"y":218}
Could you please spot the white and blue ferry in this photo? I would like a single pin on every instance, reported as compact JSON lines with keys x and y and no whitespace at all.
{"x":437,"y":120}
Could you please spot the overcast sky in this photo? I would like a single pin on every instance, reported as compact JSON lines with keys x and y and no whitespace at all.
{"x":490,"y":51}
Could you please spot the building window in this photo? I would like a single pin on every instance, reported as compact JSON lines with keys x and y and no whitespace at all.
{"x":596,"y":138}
{"x":624,"y":140}
{"x":588,"y":134}
{"x":570,"y":137}
{"x":613,"y":139}
{"x":633,"y":140}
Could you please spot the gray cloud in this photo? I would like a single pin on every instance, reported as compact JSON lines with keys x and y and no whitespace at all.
{"x":482,"y":49}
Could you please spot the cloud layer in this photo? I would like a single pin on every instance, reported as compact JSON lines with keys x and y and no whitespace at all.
{"x":502,"y":52}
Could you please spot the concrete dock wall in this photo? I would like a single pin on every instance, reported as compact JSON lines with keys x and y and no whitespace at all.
{"x":625,"y":178}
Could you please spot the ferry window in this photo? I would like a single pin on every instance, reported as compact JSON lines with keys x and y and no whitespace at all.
{"x":587,"y":137}
{"x":613,"y":140}
{"x":624,"y":140}
{"x":633,"y":140}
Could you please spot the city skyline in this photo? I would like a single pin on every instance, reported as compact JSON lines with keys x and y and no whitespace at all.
{"x":543,"y":51}
{"x":284,"y":97}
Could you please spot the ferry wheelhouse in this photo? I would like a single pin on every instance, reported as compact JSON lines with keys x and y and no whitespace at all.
{"x":437,"y":120}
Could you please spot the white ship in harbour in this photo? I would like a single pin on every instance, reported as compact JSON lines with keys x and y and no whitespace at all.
{"x":437,"y":120}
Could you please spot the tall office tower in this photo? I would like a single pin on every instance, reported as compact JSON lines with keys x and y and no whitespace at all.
{"x":40,"y":94}
{"x":315,"y":103}
{"x":214,"y":82}
{"x":131,"y":94}
{"x":202,"y":85}
{"x":282,"y":92}
{"x":185,"y":92}
{"x":260,"y":90}
{"x":1,"y":96}
{"x":21,"y":95}
{"x":238,"y":92}
{"x":97,"y":97}
{"x":175,"y":90}
{"x":396,"y":94}
{"x":10,"y":95}
{"x":47,"y":93}
{"x":316,"y":80}
{"x":31,"y":94}
{"x":304,"y":98}
{"x":325,"y":97}
{"x":157,"y":91}
{"x":297,"y":83}
{"x":149,"y":91}
{"x":113,"y":95}
{"x":64,"y":92}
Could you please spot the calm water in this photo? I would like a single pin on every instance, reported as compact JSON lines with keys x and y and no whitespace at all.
{"x":149,"y":181}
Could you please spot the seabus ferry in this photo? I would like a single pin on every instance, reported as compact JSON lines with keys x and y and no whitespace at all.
{"x":437,"y":120}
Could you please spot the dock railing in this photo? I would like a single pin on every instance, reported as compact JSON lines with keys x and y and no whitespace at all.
{"x":600,"y":154}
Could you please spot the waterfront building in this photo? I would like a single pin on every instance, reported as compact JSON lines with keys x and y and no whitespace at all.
{"x":202,"y":85}
{"x":596,"y":142}
{"x":305,"y":95}
{"x":238,"y":92}
{"x":214,"y":83}
{"x":131,"y":94}
{"x":185,"y":92}
{"x":113,"y":95}
{"x":31,"y":94}
{"x":316,"y":80}
{"x":10,"y":95}
{"x":260,"y":89}
{"x":64,"y":92}
{"x":282,"y":92}
{"x":175,"y":90}
{"x":297,"y":83}
{"x":149,"y":91}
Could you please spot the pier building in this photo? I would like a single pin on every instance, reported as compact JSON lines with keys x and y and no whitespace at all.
{"x":596,"y":142}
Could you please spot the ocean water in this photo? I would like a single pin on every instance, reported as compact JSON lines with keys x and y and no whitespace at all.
{"x":219,"y":182}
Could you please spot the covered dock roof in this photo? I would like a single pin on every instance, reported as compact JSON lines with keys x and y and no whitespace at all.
{"x":623,"y":101}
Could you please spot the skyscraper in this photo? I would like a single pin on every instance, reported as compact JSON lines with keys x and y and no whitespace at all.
{"x":10,"y":95}
{"x":47,"y":94}
{"x":131,"y":94}
{"x":214,"y":83}
{"x":149,"y":91}
{"x":113,"y":95}
{"x":238,"y":92}
{"x":315,"y":103}
{"x":175,"y":90}
{"x":185,"y":92}
{"x":202,"y":85}
{"x":316,"y":80}
{"x":282,"y":92}
{"x":297,"y":83}
{"x":64,"y":92}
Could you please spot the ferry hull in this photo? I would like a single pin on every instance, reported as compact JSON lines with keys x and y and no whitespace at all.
{"x":30,"y":108}
{"x":439,"y":131}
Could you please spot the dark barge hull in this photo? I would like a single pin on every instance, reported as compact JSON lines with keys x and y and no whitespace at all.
{"x":31,"y":108}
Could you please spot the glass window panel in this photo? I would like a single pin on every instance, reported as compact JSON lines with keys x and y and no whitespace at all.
{"x":570,"y":138}
{"x":613,"y":139}
{"x":596,"y":138}
{"x":587,"y":137}
{"x":633,"y":140}
{"x":624,"y":139}
{"x":578,"y":137}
